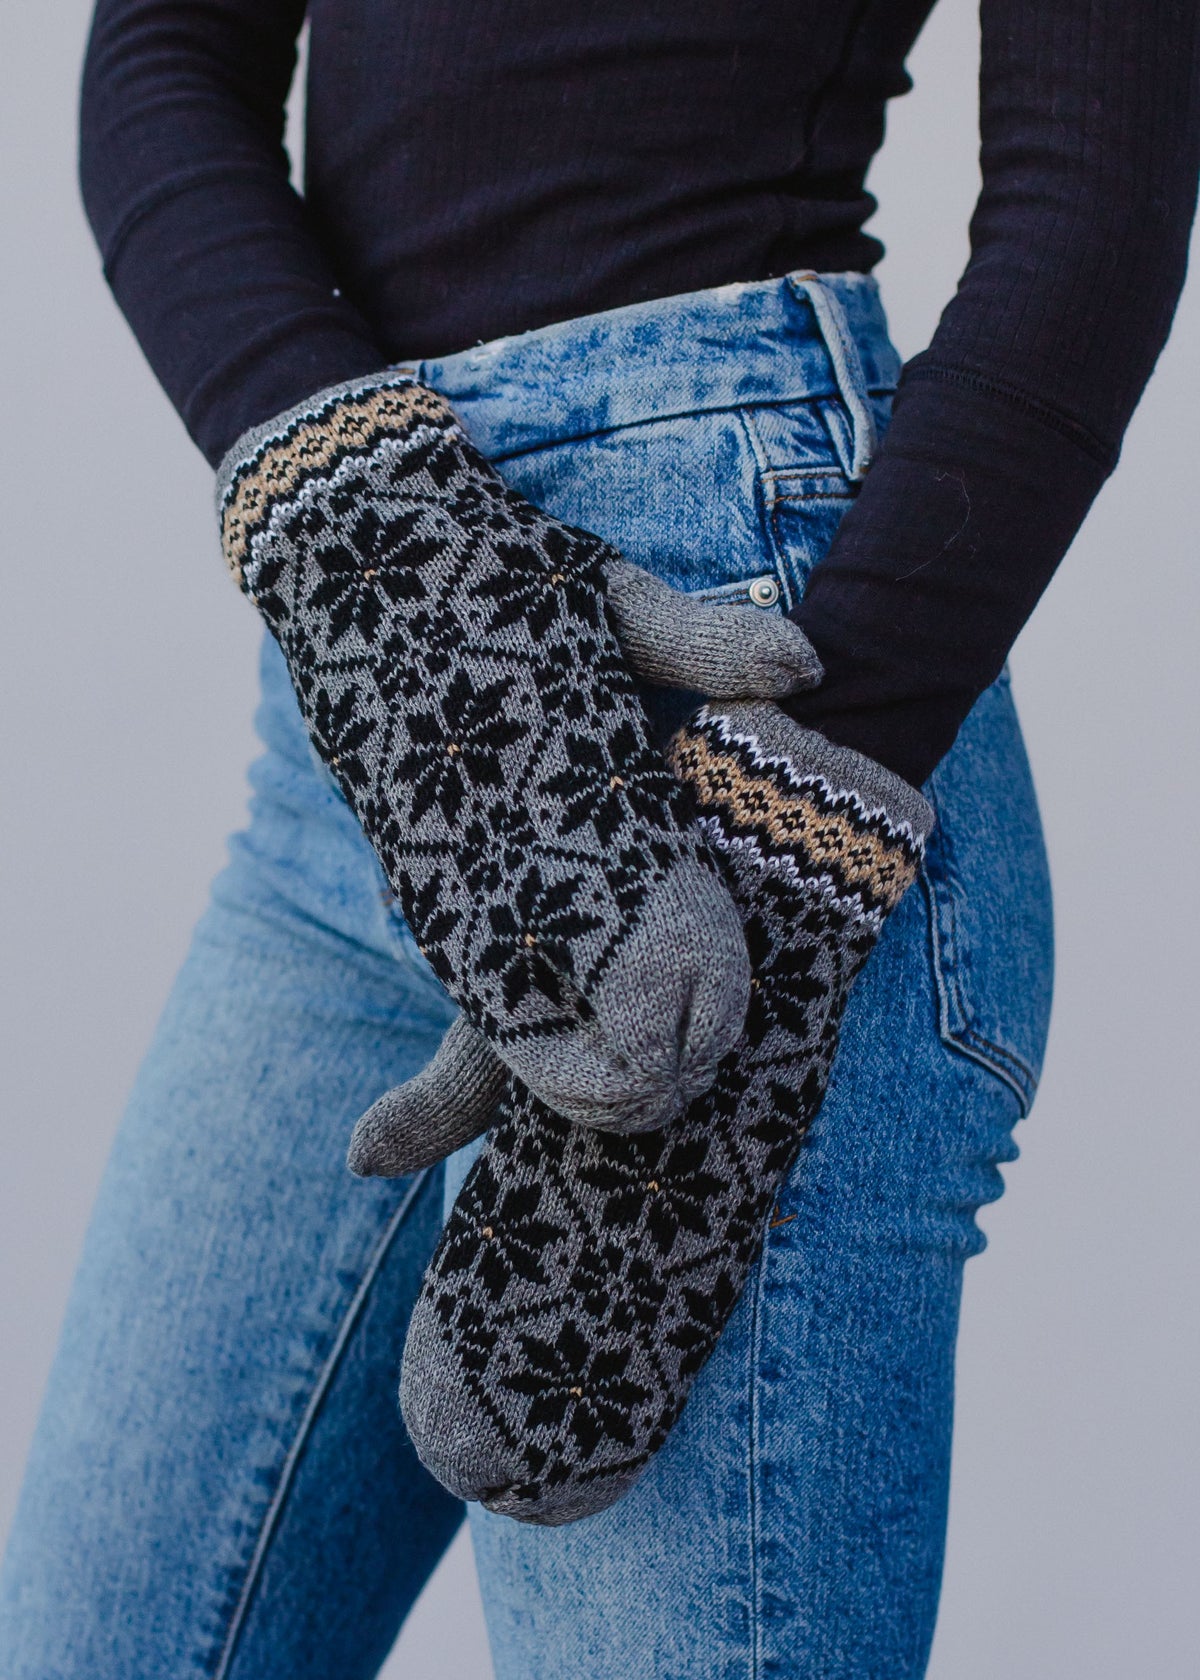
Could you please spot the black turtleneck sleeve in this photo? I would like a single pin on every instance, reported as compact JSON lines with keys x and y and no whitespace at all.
{"x":206,"y":246}
{"x":1005,"y":428}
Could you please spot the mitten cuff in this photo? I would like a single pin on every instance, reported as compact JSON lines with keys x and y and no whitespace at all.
{"x":785,"y":798}
{"x":269,"y":466}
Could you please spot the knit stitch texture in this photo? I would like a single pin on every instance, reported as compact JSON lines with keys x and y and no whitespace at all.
{"x":458,"y":671}
{"x":582,"y":1280}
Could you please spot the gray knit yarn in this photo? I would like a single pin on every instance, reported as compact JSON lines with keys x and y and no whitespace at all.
{"x":457,"y":667}
{"x":583,"y":1279}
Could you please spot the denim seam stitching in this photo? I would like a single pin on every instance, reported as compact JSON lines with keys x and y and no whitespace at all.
{"x":840,"y":434}
{"x":825,"y":469}
{"x":321,"y":1388}
{"x":758,"y":449}
{"x":741,"y":406}
{"x":971,"y":1040}
{"x":978,"y":1048}
{"x":765,"y":499}
{"x":966,"y":1040}
{"x":842,"y":349}
{"x":798,"y":500}
{"x":752,"y":1463}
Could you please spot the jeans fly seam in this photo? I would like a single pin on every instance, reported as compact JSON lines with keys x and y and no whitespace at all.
{"x":321,"y":1388}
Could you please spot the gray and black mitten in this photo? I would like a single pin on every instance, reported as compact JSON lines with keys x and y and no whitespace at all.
{"x":454,"y":653}
{"x":583,"y":1279}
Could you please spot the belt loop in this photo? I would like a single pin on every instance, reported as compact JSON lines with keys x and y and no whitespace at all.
{"x":847,"y":366}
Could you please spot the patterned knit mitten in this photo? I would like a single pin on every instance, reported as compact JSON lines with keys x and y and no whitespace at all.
{"x":583,"y":1279}
{"x":455,"y":658}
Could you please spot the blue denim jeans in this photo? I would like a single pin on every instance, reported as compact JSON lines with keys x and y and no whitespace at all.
{"x":220,"y":1484}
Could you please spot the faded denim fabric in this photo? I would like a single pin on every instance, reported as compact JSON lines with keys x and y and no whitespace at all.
{"x":220,"y":1486}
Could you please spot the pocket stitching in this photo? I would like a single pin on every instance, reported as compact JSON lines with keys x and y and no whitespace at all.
{"x":765,"y":495}
{"x":805,"y":493}
{"x":963,"y":1035}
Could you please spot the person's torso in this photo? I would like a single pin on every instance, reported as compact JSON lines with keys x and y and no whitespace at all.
{"x":478,"y":169}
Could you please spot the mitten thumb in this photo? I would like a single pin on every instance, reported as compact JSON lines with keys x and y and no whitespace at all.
{"x":446,"y":1105}
{"x":725,"y":653}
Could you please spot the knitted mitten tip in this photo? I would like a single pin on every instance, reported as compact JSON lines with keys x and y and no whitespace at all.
{"x":723,"y":652}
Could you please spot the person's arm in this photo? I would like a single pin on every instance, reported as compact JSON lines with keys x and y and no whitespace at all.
{"x":1007,"y":426}
{"x":184,"y":174}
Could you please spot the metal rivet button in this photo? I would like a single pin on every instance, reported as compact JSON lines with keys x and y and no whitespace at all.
{"x":764,"y":592}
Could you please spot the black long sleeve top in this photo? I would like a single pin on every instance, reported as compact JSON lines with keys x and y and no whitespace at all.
{"x":474,"y":170}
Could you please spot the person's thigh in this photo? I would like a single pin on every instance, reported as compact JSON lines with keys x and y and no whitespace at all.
{"x":793,"y":1525}
{"x":220,"y":1484}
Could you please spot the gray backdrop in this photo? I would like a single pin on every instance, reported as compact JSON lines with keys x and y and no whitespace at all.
{"x":127,"y":685}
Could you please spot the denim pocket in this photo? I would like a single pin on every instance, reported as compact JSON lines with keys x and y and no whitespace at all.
{"x":802,"y":484}
{"x":804,"y":509}
{"x":988,"y":886}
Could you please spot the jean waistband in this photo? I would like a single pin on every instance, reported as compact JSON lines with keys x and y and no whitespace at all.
{"x":799,"y":337}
